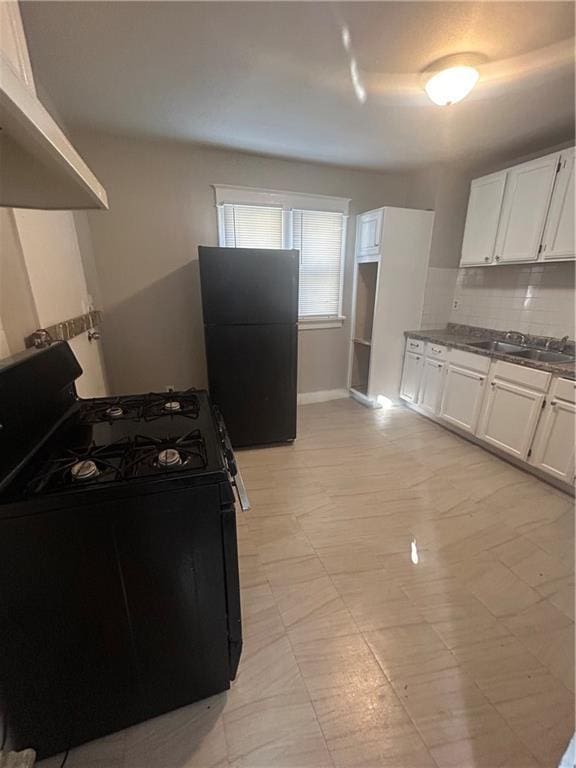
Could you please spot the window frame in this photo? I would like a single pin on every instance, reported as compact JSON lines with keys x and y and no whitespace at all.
{"x":289,"y":202}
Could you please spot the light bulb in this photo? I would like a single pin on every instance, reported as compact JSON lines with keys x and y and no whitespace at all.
{"x":451,"y":85}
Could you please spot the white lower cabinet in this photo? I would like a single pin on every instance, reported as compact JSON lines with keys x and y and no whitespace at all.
{"x":512,"y":407}
{"x":411,"y":375}
{"x":510,"y":417}
{"x":553,"y":449}
{"x":462,"y":397}
{"x":519,"y":410}
{"x":431,"y":386}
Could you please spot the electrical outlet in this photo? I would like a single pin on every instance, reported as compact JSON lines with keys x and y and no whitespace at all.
{"x":169,"y":387}
{"x":455,"y":304}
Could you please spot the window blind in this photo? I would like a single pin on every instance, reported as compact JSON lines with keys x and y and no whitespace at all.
{"x":318,"y":236}
{"x":251,"y":226}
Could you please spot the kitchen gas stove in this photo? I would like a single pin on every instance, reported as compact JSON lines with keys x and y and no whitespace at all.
{"x":119,"y":592}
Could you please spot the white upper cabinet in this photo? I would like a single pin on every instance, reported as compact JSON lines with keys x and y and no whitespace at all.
{"x":40,"y":167}
{"x":482,"y":219}
{"x":524,"y":209}
{"x":522,"y":214}
{"x":369,"y":234}
{"x":558,"y":240}
{"x":13,"y":42}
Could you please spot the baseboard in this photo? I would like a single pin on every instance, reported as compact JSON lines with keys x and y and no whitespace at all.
{"x":305,"y":398}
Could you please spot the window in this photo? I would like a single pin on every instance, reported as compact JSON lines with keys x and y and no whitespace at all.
{"x":319,"y":236}
{"x":315,"y":226}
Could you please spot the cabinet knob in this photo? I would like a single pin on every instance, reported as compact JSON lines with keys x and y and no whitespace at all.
{"x":493,"y":384}
{"x":553,"y":403}
{"x":497,"y":258}
{"x":486,"y":258}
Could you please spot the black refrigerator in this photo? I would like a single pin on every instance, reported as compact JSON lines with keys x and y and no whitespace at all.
{"x":250,"y":306}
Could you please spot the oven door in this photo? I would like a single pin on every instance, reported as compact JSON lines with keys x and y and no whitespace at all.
{"x":231,"y":463}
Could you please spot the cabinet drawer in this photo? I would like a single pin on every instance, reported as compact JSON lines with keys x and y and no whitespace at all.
{"x":436,"y":350}
{"x":469,"y":360}
{"x":564,"y":389}
{"x":414,"y":345}
{"x":519,"y":374}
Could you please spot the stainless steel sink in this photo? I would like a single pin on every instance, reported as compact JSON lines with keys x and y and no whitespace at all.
{"x":498,"y":346}
{"x":528,"y":353}
{"x":545,"y":356}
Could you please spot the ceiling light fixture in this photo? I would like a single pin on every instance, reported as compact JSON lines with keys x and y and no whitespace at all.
{"x":451,"y":79}
{"x":451,"y":85}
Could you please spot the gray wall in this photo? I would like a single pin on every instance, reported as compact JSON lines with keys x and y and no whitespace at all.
{"x":16,"y":299}
{"x":445,"y":189}
{"x":145,"y":251}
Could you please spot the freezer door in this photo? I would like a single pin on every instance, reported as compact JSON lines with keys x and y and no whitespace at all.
{"x":252,"y":373}
{"x":248,"y":286}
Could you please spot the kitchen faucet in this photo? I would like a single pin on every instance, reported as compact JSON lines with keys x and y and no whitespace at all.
{"x":509,"y":334}
{"x":563,"y":343}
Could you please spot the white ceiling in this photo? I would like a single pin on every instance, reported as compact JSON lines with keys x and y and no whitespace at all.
{"x":276,"y":78}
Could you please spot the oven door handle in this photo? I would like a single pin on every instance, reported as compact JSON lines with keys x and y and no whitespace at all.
{"x":237,"y":481}
{"x":241,"y":491}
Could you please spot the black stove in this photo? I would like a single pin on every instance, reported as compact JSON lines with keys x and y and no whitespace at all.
{"x":119,"y":593}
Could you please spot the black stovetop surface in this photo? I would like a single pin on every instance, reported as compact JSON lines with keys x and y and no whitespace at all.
{"x":120,"y":442}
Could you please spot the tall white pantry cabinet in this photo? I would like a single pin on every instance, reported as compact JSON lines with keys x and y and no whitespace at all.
{"x":390,"y":270}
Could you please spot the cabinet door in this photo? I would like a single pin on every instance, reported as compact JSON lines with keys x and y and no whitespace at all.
{"x":510,"y":417}
{"x":553,"y":450}
{"x":431,"y":388}
{"x":482,"y":219}
{"x":462,"y":397}
{"x":369,"y":233}
{"x":13,"y":47}
{"x":411,"y":375}
{"x":526,"y":200}
{"x":558,"y":240}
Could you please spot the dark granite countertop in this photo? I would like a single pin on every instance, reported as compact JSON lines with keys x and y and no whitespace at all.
{"x":460,"y":336}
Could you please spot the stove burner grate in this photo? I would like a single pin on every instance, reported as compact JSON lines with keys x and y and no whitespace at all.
{"x":111,"y":409}
{"x":123,"y":460}
{"x":81,"y":468}
{"x":160,"y":405}
{"x":149,"y":407}
{"x":159,"y":455}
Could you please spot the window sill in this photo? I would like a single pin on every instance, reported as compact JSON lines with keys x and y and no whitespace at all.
{"x":320,"y":323}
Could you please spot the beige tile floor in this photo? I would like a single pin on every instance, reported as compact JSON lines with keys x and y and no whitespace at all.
{"x":408,"y":602}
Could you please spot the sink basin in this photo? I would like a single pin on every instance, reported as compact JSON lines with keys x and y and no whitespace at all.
{"x":545,"y":356}
{"x":498,"y":346}
{"x":528,"y":353}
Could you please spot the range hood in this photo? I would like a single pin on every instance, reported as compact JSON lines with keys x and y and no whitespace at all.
{"x":39,"y":167}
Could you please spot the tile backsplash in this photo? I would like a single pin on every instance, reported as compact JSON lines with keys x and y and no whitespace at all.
{"x":536,"y":299}
{"x":438,"y":295}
